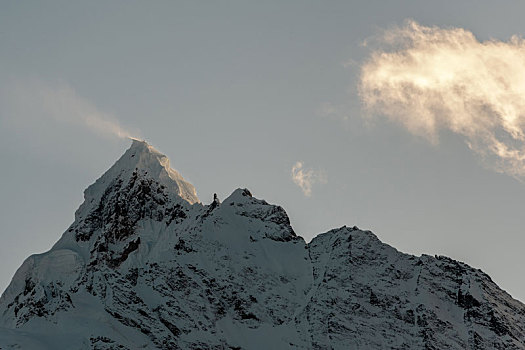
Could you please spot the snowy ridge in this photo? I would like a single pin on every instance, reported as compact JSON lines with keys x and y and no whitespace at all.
{"x":146,"y":265}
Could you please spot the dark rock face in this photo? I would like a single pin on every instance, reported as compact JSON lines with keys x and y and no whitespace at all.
{"x":122,"y":206}
{"x":141,"y":267}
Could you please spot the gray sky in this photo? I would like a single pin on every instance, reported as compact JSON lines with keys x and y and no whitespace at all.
{"x":236,"y":94}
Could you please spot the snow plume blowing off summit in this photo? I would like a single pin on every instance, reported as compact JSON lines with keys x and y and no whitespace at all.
{"x":429,"y":79}
{"x":27,"y":102}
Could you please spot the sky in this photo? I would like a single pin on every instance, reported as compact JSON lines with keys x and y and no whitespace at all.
{"x":401,"y":117}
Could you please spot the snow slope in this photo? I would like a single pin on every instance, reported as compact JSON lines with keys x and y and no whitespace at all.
{"x":146,"y":265}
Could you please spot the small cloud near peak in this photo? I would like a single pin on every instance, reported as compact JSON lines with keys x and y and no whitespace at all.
{"x":306,"y":178}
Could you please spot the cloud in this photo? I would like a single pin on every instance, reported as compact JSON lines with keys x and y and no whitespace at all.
{"x":331,"y":111}
{"x":306,"y":178}
{"x":430,"y":79}
{"x":26,"y":103}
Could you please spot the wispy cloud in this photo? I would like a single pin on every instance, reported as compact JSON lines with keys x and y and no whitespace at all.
{"x":430,"y":78}
{"x":306,"y":178}
{"x":331,"y":111}
{"x":25,"y":102}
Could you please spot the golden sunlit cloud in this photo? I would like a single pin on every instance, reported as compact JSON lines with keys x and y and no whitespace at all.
{"x":430,"y":79}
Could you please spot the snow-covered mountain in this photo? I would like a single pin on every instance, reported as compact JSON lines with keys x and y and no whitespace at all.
{"x":145,"y":265}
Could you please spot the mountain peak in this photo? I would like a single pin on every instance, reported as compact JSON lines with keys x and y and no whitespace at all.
{"x":141,"y":163}
{"x":142,"y":146}
{"x":144,"y":158}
